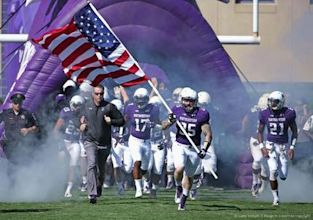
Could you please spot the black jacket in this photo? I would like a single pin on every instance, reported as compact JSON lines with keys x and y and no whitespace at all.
{"x":98,"y":131}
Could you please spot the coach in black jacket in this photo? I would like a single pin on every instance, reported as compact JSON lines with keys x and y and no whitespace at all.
{"x":98,"y":117}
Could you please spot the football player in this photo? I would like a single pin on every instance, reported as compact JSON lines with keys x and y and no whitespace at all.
{"x":277,"y":119}
{"x":157,"y":158}
{"x":120,"y":154}
{"x":69,"y":117}
{"x":141,"y":117}
{"x":259,"y":171}
{"x":195,"y":121}
{"x":210,"y":159}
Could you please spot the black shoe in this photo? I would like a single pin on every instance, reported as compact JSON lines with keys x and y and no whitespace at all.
{"x":99,"y":191}
{"x":93,"y":199}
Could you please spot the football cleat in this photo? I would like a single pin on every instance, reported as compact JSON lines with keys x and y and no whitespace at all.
{"x":255,"y":190}
{"x":83,"y":187}
{"x":179,"y":190}
{"x":182,"y":204}
{"x":67,"y":194}
{"x":276,"y":202}
{"x":138,"y":194}
{"x":106,"y":185}
{"x":181,"y":207}
{"x":146,"y":188}
{"x":193,"y":194}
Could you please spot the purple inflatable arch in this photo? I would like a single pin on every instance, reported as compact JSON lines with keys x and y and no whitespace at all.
{"x":170,"y":34}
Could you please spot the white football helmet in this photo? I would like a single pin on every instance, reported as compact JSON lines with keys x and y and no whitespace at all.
{"x":76,"y":102}
{"x":204,"y":99}
{"x":141,"y":97}
{"x":118,"y":103}
{"x":188,"y":98}
{"x":276,"y":100}
{"x":155,"y":100}
{"x":86,"y":87}
{"x":175,"y":95}
{"x":69,"y":83}
{"x":263,"y":101}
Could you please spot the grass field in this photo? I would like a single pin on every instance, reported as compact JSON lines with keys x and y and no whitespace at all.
{"x":211,"y":204}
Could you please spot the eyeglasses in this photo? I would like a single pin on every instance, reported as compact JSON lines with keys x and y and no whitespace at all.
{"x":99,"y":93}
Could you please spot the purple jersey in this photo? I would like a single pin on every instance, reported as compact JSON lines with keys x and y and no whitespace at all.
{"x":192,"y":123}
{"x":277,"y":123}
{"x":71,"y":122}
{"x":141,"y":120}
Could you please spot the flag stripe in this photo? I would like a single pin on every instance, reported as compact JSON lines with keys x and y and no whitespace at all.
{"x":62,"y":46}
{"x":77,"y":52}
{"x":119,"y":61}
{"x":135,"y":82}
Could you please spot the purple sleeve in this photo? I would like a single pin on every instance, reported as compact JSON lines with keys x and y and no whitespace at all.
{"x":293,"y":115}
{"x":156,"y":114}
{"x":64,"y":112}
{"x":261,"y":118}
{"x":207,"y":118}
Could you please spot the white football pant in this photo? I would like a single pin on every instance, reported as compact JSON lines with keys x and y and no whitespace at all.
{"x":156,"y":159}
{"x":73,"y":149}
{"x":277,"y":161}
{"x":140,"y":150}
{"x":185,"y":156}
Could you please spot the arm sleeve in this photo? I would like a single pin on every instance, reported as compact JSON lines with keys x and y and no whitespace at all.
{"x":33,"y":121}
{"x":261,"y":118}
{"x":117,"y":118}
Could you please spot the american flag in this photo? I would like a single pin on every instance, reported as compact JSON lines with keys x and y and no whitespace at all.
{"x":91,"y":52}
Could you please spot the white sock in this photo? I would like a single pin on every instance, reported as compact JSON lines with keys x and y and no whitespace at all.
{"x":275,"y":194}
{"x":186,"y":192}
{"x":170,"y":178}
{"x":69,"y":186}
{"x":84,"y":179}
{"x":155,"y":186}
{"x":138,"y":184}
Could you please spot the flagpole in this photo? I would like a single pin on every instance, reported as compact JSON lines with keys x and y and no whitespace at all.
{"x":152,"y":86}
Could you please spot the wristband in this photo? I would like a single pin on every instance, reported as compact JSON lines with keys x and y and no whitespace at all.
{"x":292,"y":147}
{"x":293,"y":142}
{"x":206,"y":146}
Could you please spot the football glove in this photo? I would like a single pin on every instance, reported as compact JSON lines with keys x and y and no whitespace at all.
{"x":171,"y":117}
{"x":202,"y":153}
